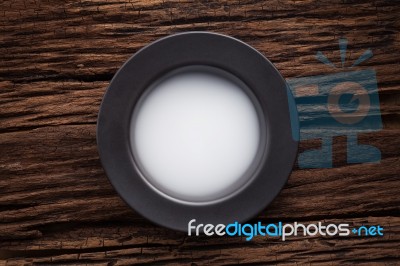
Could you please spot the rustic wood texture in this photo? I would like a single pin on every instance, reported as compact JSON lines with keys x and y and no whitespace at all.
{"x":56,"y":61}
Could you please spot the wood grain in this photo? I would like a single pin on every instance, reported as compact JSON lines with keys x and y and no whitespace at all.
{"x":56,"y":61}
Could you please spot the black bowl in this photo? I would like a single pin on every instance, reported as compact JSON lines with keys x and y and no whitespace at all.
{"x":268,"y":91}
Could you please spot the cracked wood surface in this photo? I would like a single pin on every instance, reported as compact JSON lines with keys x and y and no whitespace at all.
{"x":56,"y":60}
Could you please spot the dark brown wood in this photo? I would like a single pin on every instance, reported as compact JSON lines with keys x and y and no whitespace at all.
{"x":56,"y":60}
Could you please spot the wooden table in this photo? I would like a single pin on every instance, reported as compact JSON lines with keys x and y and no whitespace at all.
{"x":56,"y":61}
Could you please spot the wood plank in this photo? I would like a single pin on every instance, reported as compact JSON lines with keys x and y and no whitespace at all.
{"x":56,"y":61}
{"x":125,"y":244}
